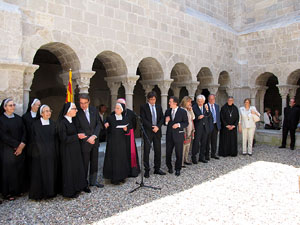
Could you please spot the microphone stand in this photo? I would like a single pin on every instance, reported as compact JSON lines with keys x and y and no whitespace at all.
{"x":144,"y":135}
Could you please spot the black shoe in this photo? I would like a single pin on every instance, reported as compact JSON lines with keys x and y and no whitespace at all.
{"x":159,"y":172}
{"x":98,"y":185}
{"x":194,"y":161}
{"x":249,"y":154}
{"x":203,"y":161}
{"x":87,"y":190}
{"x":146,"y":174}
{"x":281,"y":146}
{"x":115,"y":182}
{"x":215,"y":157}
{"x":187,"y":163}
{"x":183,"y":166}
{"x":206,"y":158}
{"x":292,"y":148}
{"x":177,"y":173}
{"x":170,"y":171}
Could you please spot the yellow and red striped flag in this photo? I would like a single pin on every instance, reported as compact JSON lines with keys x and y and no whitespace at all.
{"x":69,"y":97}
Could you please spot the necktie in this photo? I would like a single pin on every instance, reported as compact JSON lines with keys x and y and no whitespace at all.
{"x":213,"y":112}
{"x":87,"y":115}
{"x":201,"y":108}
{"x":173,"y":114}
{"x":153,"y":115}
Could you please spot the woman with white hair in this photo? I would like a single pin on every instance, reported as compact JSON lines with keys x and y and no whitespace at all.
{"x":43,"y":183}
{"x":116,"y":166}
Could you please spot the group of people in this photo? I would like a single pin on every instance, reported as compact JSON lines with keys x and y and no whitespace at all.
{"x":46,"y":158}
{"x":272,"y":122}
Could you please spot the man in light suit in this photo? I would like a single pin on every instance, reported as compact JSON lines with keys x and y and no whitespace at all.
{"x":176,"y":120}
{"x":87,"y":121}
{"x":215,"y":126}
{"x":202,"y":129}
{"x":152,"y":118}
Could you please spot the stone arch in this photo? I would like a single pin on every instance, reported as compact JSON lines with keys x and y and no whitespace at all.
{"x":181,"y":73}
{"x":224,"y":82}
{"x":180,"y":59}
{"x":50,"y":80}
{"x":107,"y":65}
{"x":266,"y":92}
{"x":293,"y":77}
{"x":65,"y":54}
{"x":150,"y":69}
{"x":114,"y":64}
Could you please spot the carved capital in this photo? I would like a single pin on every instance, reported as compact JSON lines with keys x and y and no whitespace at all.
{"x":229,"y":91}
{"x":213,"y":89}
{"x":191,"y":88}
{"x":83,"y":80}
{"x":293,"y":90}
{"x":164,"y":86}
{"x":114,"y":87}
{"x":129,"y":83}
{"x":147,"y":87}
{"x":283,"y":90}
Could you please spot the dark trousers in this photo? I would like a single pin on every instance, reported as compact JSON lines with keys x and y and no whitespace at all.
{"x":200,"y":139}
{"x":285,"y":131}
{"x":90,"y":161}
{"x":178,"y":151}
{"x":153,"y":138}
{"x":212,"y":142}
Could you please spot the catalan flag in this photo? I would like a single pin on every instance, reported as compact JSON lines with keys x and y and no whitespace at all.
{"x":69,"y":97}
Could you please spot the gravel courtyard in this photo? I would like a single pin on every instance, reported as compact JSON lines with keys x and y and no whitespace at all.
{"x":262,"y":189}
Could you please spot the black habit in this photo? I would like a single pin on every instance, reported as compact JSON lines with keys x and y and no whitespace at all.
{"x":228,"y":138}
{"x":12,"y":133}
{"x":73,"y":173}
{"x":44,"y":160}
{"x":116,"y":165}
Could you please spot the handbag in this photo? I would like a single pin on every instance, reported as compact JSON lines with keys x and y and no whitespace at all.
{"x":255,"y":118}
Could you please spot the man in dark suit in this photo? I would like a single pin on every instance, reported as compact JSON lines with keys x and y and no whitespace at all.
{"x":176,"y":120}
{"x":202,"y":129}
{"x":290,"y":122}
{"x":215,"y":126}
{"x":152,"y":118}
{"x":87,"y":121}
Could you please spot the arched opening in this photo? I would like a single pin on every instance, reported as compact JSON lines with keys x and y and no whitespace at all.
{"x":271,"y":98}
{"x":106,"y":64}
{"x":50,"y":80}
{"x":182,"y":76}
{"x":294,"y":79}
{"x":224,"y":82}
{"x":205,"y":79}
{"x":183,"y":92}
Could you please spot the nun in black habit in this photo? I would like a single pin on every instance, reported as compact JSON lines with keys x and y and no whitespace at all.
{"x":73,"y":173}
{"x":28,"y":118}
{"x":116,"y":167}
{"x":12,"y":143}
{"x":44,"y":148}
{"x":228,"y":135}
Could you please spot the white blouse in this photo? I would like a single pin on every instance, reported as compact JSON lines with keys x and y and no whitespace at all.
{"x":45,"y":122}
{"x":246,"y":118}
{"x":68,"y":118}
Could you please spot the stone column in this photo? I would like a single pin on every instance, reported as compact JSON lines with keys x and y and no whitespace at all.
{"x":191,"y":88}
{"x":284,"y":91}
{"x":129,"y":84}
{"x":176,"y":90}
{"x":229,"y":91}
{"x":262,"y":93}
{"x":164,"y":87}
{"x":253,"y":92}
{"x":27,"y":81}
{"x":83,"y":81}
{"x":114,"y":88}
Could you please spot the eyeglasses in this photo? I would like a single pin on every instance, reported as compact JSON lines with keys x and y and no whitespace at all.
{"x":74,"y":109}
{"x":11,"y":105}
{"x":48,"y":111}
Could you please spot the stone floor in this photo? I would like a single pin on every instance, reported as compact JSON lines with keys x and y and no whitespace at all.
{"x":262,"y":189}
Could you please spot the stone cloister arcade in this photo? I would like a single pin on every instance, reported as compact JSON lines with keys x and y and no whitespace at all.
{"x":111,"y":76}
